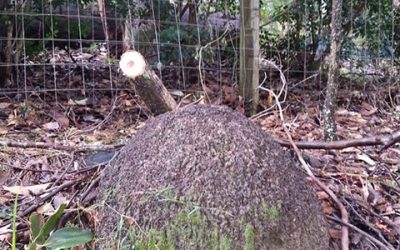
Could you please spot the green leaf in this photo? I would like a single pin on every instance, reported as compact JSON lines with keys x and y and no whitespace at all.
{"x":35,"y":229}
{"x":50,"y":223}
{"x":32,"y":246}
{"x":68,"y":237}
{"x":35,"y":225}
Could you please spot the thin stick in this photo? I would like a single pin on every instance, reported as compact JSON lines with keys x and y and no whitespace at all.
{"x":203,"y":85}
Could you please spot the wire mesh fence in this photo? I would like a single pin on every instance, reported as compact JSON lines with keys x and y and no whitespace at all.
{"x":69,"y":50}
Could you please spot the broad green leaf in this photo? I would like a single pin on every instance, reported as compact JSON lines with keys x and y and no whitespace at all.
{"x":68,"y":237}
{"x":50,"y":223}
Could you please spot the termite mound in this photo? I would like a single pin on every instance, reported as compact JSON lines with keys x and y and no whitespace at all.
{"x":204,"y":177}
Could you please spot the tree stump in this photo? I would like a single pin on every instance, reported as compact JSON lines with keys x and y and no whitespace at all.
{"x":205,"y":177}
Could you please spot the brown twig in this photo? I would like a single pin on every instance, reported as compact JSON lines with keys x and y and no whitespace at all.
{"x":91,"y":186}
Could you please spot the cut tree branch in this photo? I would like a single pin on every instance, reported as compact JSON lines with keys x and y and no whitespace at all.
{"x":147,"y":84}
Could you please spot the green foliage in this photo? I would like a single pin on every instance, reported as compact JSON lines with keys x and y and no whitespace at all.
{"x":143,"y":9}
{"x":188,"y":37}
{"x":373,"y":24}
{"x":4,"y":19}
{"x":227,"y":6}
{"x":249,"y":237}
{"x":14,"y":225}
{"x":190,"y":227}
{"x":68,"y":237}
{"x":40,"y":234}
{"x":294,"y":26}
{"x":288,"y":28}
{"x":35,"y":228}
{"x":35,"y":47}
{"x":60,"y":29}
{"x":270,"y":213}
{"x":63,"y":238}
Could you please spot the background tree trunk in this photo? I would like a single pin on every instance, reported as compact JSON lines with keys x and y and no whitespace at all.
{"x":331,"y":90}
{"x":249,"y":54}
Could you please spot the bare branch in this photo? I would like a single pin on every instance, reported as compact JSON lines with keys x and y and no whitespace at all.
{"x":385,"y":141}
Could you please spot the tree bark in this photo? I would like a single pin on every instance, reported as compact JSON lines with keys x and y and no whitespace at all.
{"x":249,"y":54}
{"x":331,"y":90}
{"x":147,"y":84}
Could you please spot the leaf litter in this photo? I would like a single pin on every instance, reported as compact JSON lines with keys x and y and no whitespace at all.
{"x":366,"y":181}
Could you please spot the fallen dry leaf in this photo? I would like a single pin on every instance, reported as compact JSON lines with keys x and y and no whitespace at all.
{"x":46,"y":208}
{"x":3,"y":131}
{"x":60,"y":118}
{"x":5,"y":233}
{"x":322,"y":195}
{"x":4,"y":200}
{"x":4,"y":105}
{"x":4,"y":175}
{"x":368,"y":109}
{"x":51,"y":126}
{"x":365,"y":158}
{"x":327,"y":208}
{"x":59,"y":199}
{"x":335,"y":233}
{"x":27,"y":190}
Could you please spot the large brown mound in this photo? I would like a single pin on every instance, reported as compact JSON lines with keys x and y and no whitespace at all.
{"x":207,"y":178}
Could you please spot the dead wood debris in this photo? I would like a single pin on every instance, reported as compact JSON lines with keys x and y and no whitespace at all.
{"x":385,"y":141}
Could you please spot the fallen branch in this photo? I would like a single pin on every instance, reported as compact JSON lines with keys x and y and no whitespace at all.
{"x":385,"y":141}
{"x":57,"y":146}
{"x":343,"y":212}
